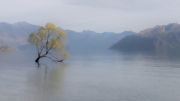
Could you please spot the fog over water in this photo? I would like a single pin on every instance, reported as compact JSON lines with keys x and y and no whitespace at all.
{"x":90,"y":76}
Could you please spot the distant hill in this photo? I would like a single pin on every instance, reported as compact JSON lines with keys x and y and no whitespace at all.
{"x":159,"y":38}
{"x":89,"y":40}
{"x":16,"y":35}
{"x":6,"y":48}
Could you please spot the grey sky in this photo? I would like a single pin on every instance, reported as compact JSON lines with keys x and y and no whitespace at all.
{"x":95,"y":15}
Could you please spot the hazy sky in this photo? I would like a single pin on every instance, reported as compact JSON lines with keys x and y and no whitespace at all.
{"x":95,"y":15}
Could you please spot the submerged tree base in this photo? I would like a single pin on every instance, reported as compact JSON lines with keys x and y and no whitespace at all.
{"x":37,"y":60}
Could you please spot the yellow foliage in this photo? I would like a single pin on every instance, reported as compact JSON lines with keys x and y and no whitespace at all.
{"x":33,"y":39}
{"x":62,"y":34}
{"x":55,"y":40}
{"x":49,"y":38}
{"x":36,"y":41}
{"x":50,"y":26}
{"x":64,"y":55}
{"x":42,"y":33}
{"x":55,"y":44}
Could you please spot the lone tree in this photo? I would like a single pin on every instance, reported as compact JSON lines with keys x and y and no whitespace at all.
{"x":50,"y":41}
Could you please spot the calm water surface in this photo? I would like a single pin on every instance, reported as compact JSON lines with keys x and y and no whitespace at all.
{"x":108,"y":76}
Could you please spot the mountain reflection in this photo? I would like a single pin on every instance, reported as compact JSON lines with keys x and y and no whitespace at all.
{"x":155,"y":55}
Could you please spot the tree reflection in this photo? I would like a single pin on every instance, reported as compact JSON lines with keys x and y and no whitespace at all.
{"x":46,"y":82}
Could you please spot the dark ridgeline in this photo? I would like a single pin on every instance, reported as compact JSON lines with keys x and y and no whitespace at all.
{"x":135,"y":43}
{"x":164,"y":38}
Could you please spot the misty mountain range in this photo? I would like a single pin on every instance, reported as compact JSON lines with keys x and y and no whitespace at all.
{"x":16,"y":35}
{"x":91,"y":40}
{"x":159,"y":38}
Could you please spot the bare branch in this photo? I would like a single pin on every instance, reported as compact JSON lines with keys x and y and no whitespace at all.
{"x":42,"y":46}
{"x":54,"y":60}
{"x":49,"y":48}
{"x":51,"y":59}
{"x":49,"y":34}
{"x":38,"y":50}
{"x":52,"y":55}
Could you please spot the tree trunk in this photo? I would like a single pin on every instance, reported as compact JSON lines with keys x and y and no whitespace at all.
{"x":37,"y":60}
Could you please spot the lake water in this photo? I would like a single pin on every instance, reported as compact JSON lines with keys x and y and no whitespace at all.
{"x":107,"y":76}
